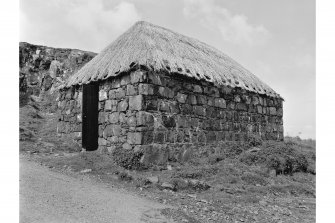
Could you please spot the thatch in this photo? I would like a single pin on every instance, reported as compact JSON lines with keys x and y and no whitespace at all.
{"x":160,"y":49}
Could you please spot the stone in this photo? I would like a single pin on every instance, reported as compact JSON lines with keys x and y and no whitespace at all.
{"x":220,"y":103}
{"x":102,"y":142}
{"x":164,"y":106}
{"x":181,"y":98}
{"x":241,"y":107}
{"x":259,"y":109}
{"x":131,"y":90}
{"x":131,"y":121}
{"x":122,"y":106}
{"x":153,"y":179}
{"x":192,"y":100}
{"x":168,"y":121}
{"x":125,"y":79}
{"x":137,"y":76}
{"x":102,"y":95}
{"x":111,"y":149}
{"x":147,"y":137}
{"x":108,"y":105}
{"x":197,"y":89}
{"x":273,"y":111}
{"x":237,"y":99}
{"x":136,"y":102}
{"x":127,"y":146}
{"x":154,"y":79}
{"x":122,"y":117}
{"x":159,"y":137}
{"x":167,"y":186}
{"x":210,"y":101}
{"x":146,"y":89}
{"x":201,"y":99}
{"x":116,"y":83}
{"x":144,"y":118}
{"x":165,"y":92}
{"x":199,"y":110}
{"x":114,"y":117}
{"x":134,"y":138}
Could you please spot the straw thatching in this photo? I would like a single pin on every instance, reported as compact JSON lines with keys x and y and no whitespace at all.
{"x":160,"y":49}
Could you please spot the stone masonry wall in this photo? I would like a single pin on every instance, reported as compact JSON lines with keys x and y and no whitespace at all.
{"x":69,"y":112}
{"x":162,"y":115}
{"x":183,"y":112}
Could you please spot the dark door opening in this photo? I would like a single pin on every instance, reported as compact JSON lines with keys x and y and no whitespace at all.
{"x":90,"y":116}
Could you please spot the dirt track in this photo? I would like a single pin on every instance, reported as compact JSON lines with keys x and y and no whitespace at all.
{"x":47,"y":196}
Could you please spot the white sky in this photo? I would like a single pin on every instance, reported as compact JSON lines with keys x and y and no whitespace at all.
{"x":273,"y":39}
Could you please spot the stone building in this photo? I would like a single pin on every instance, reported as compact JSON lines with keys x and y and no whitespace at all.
{"x":155,"y":91}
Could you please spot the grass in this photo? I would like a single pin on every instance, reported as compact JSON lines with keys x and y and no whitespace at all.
{"x":229,"y":175}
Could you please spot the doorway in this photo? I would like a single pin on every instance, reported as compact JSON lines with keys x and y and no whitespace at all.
{"x":90,"y":116}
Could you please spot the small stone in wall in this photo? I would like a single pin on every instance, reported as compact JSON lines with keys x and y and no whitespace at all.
{"x":108,"y":105}
{"x":114,"y":117}
{"x":220,"y":102}
{"x":197,"y":89}
{"x":137,"y":76}
{"x":181,"y":98}
{"x":102,"y":95}
{"x":273,"y":111}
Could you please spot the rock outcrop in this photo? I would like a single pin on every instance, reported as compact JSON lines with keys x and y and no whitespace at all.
{"x":44,"y":69}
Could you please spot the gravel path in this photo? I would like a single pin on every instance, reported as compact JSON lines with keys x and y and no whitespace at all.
{"x":48,"y":196}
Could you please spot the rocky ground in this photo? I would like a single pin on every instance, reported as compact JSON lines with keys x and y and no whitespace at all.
{"x":258,"y":182}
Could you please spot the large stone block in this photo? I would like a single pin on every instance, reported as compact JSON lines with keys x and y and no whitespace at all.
{"x":165,"y":92}
{"x":146,"y":89}
{"x":112,"y":130}
{"x":123,"y":105}
{"x":168,"y":121}
{"x":125,"y":80}
{"x":148,"y":137}
{"x":131,"y":90}
{"x":134,"y":138}
{"x":199,"y":110}
{"x":159,"y":137}
{"x":144,"y":118}
{"x":136,"y":102}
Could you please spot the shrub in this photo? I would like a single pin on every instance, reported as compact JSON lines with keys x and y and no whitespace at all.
{"x":128,"y":159}
{"x":284,"y":158}
{"x":254,"y":140}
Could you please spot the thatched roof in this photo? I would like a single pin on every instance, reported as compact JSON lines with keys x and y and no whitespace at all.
{"x":161,"y":49}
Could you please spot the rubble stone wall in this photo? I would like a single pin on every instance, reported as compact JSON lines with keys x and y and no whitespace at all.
{"x":163,"y":115}
{"x":70,"y":112}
